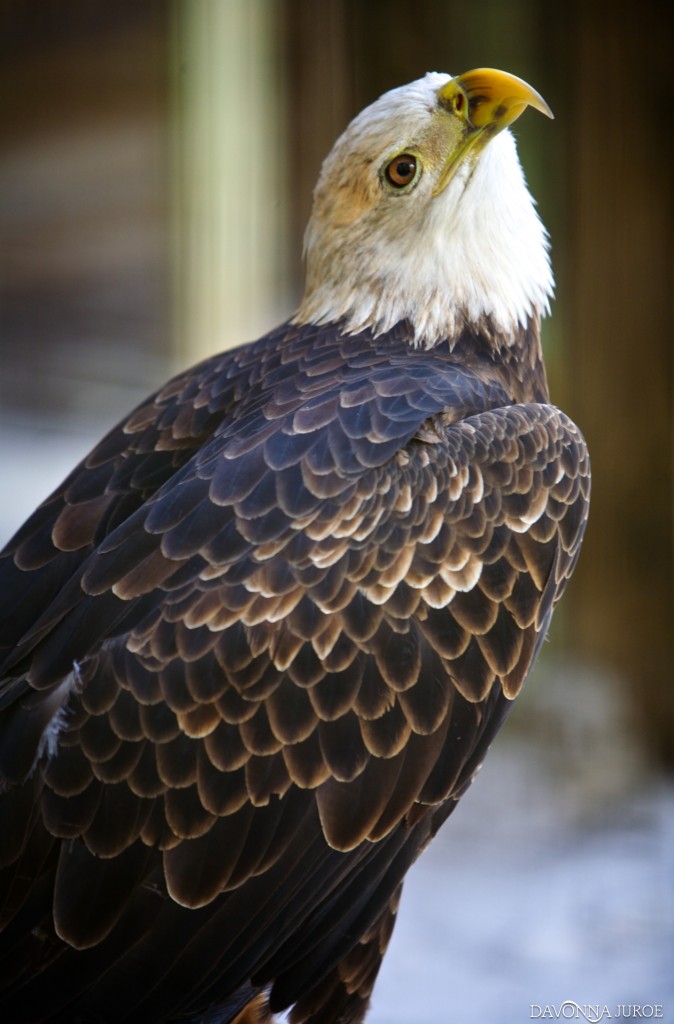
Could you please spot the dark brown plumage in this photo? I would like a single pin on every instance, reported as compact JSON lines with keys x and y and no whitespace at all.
{"x":254,"y":650}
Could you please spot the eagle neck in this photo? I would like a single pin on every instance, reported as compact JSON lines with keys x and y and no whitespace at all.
{"x":514,"y":359}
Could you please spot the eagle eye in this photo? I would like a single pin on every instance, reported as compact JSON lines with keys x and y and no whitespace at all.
{"x":402,"y":170}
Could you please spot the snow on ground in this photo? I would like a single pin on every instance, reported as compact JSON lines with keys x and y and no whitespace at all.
{"x":515,"y":905}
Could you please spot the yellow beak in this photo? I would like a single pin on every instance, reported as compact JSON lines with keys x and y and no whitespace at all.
{"x":490,"y":98}
{"x":486,"y":101}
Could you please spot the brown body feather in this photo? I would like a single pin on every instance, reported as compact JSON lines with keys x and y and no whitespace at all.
{"x":268,"y":628}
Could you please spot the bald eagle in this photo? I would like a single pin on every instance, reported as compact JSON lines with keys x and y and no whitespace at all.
{"x":255,"y":647}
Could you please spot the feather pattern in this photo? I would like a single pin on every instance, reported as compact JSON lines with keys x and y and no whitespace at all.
{"x":336,"y":558}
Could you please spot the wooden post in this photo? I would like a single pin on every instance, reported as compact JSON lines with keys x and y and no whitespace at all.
{"x":620,"y":393}
{"x":228,"y":176}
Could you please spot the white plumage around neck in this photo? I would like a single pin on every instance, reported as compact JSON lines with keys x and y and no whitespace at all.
{"x":476,"y":253}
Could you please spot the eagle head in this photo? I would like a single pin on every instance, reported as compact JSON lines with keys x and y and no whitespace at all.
{"x":421,"y":213}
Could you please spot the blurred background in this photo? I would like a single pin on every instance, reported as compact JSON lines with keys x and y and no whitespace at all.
{"x":156,"y":166}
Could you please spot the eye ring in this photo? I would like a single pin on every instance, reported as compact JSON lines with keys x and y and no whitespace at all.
{"x":402,"y":171}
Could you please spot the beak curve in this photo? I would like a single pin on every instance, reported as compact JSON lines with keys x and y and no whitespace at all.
{"x":490,"y":99}
{"x":486,"y":101}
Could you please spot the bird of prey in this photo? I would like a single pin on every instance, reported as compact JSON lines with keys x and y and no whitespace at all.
{"x":255,"y":647}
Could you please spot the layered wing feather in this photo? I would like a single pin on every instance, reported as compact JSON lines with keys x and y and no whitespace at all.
{"x":255,"y":649}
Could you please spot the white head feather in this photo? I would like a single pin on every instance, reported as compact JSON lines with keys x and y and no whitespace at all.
{"x":474,"y":252}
